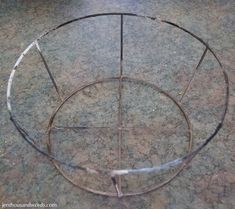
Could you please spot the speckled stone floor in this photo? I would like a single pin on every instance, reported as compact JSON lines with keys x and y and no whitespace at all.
{"x":89,"y":50}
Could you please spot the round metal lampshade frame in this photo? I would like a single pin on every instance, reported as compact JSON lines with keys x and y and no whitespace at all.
{"x":179,"y":163}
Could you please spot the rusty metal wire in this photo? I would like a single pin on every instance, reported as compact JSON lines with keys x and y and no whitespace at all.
{"x":115,"y":175}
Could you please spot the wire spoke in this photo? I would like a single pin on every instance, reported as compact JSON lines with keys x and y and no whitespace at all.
{"x":194,"y":73}
{"x":120,"y":131}
{"x":48,"y":70}
{"x":123,"y":128}
{"x":82,"y":127}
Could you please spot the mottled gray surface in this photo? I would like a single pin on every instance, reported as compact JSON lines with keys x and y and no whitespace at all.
{"x":89,"y":50}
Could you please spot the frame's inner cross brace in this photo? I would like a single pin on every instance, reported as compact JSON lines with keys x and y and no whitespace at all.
{"x":123,"y":128}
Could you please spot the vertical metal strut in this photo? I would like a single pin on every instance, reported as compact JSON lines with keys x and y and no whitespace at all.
{"x":48,"y":70}
{"x":194,"y":73}
{"x":120,"y":131}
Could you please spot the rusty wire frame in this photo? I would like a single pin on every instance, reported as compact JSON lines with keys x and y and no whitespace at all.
{"x":115,"y":175}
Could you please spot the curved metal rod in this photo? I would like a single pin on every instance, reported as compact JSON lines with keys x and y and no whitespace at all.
{"x":120,"y":172}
